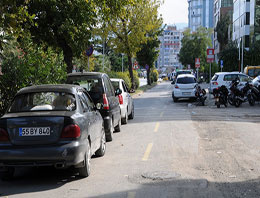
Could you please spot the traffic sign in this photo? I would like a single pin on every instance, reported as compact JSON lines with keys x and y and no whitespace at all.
{"x":210,"y":55}
{"x":197,"y":62}
{"x":90,"y":51}
{"x":221,"y":63}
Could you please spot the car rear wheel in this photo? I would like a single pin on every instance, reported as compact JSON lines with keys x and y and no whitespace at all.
{"x":7,"y":174}
{"x":125,"y":119}
{"x":131,"y":116}
{"x":109,"y":134}
{"x":85,"y":170}
{"x":102,"y":149}
{"x":118,"y":127}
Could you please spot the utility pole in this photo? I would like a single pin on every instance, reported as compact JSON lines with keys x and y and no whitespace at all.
{"x":122,"y":62}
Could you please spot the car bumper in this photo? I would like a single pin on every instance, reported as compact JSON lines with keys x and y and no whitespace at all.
{"x":184,"y":93}
{"x":60,"y":156}
{"x":123,"y":109}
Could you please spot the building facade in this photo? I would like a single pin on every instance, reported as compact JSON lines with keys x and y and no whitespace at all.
{"x":221,"y":8}
{"x":241,"y":21}
{"x":200,"y":14}
{"x":170,"y":48}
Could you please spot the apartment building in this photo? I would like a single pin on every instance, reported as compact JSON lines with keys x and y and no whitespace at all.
{"x":170,"y":47}
{"x":200,"y":14}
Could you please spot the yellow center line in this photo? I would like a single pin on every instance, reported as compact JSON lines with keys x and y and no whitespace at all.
{"x":131,"y":194}
{"x":147,"y":152}
{"x":157,"y":127}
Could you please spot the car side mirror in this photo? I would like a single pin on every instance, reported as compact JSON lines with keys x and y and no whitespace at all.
{"x":118,"y":91}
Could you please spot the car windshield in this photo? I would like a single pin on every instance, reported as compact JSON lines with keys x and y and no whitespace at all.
{"x":43,"y":101}
{"x":186,"y":80}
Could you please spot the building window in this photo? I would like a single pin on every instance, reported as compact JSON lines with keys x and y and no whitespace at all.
{"x":247,"y":21}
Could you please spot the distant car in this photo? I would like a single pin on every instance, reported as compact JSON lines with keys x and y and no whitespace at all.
{"x":125,"y":100}
{"x":184,"y":87}
{"x":101,"y":90}
{"x":179,"y":72}
{"x":225,"y":78}
{"x":51,"y":125}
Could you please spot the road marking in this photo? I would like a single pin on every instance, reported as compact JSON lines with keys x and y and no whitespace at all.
{"x":161,"y":115}
{"x":131,"y":194}
{"x":157,"y":127}
{"x":147,"y":152}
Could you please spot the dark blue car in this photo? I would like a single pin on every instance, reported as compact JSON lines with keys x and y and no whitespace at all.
{"x":51,"y":125}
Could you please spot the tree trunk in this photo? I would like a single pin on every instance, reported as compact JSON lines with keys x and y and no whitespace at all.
{"x":67,"y":53}
{"x":130,"y":69}
{"x":148,"y":77}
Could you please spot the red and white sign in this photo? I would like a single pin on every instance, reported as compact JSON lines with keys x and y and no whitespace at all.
{"x":197,"y":62}
{"x":210,"y":55}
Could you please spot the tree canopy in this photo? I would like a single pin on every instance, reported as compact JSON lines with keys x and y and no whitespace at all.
{"x":194,"y":45}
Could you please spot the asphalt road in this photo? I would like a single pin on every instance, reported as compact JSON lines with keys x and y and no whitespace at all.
{"x":169,"y":150}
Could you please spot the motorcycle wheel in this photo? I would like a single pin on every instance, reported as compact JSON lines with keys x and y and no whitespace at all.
{"x":237,"y":103}
{"x":251,"y":101}
{"x":230,"y":100}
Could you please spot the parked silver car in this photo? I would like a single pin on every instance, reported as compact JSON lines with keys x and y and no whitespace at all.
{"x":125,"y":100}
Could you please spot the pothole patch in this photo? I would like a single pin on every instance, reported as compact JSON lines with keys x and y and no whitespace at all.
{"x":160,"y":175}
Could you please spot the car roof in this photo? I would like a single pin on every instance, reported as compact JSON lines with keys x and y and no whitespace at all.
{"x":224,"y":73}
{"x":185,"y":75}
{"x":116,"y":79}
{"x":50,"y":87}
{"x":86,"y":74}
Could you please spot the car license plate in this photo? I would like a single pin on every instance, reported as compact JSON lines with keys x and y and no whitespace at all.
{"x":34,"y":131}
{"x":186,"y":93}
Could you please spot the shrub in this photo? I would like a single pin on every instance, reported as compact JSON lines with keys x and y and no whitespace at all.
{"x":154,"y":75}
{"x":25,"y":65}
{"x":122,"y":75}
{"x":136,"y":80}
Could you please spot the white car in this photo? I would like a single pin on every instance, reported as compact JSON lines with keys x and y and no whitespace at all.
{"x":184,"y":87}
{"x":125,"y":100}
{"x":225,"y":78}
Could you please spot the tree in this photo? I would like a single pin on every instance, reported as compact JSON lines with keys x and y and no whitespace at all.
{"x":131,"y":25}
{"x":252,"y":57}
{"x":222,"y":30}
{"x":25,"y":64}
{"x":194,"y":45}
{"x":229,"y":55}
{"x":149,"y":52}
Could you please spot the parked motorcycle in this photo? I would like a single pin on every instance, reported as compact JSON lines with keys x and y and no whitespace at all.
{"x":200,"y":95}
{"x":238,"y":96}
{"x":221,"y":96}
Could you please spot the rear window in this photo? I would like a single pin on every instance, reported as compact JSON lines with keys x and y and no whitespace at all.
{"x":215,"y":77}
{"x":93,"y":84}
{"x":43,"y":101}
{"x":115,"y":84}
{"x":186,"y":80}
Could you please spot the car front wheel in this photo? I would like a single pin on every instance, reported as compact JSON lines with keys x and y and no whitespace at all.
{"x":102,"y":149}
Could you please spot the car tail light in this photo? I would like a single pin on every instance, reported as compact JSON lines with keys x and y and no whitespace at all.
{"x":120,"y":97}
{"x":71,"y":131}
{"x":4,"y":137}
{"x":176,"y":86}
{"x":105,"y":102}
{"x":214,"y":83}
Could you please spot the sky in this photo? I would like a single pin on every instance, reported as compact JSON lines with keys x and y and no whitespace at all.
{"x":174,"y":11}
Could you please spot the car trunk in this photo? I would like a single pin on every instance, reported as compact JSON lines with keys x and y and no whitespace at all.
{"x":34,"y":130}
{"x":186,"y":86}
